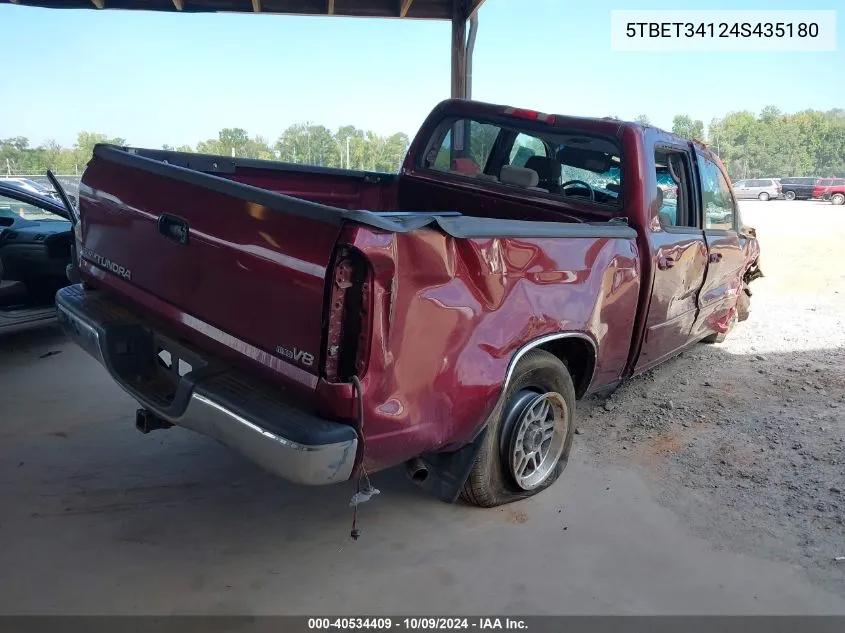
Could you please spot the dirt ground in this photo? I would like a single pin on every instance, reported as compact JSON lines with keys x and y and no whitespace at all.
{"x":713,"y":484}
{"x":746,"y":440}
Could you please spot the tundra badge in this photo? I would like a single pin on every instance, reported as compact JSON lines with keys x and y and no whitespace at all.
{"x":297,"y":355}
{"x":106,"y":263}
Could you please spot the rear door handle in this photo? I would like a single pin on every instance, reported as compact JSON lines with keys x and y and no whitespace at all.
{"x":715,"y":257}
{"x":665,"y":262}
{"x":173,"y":228}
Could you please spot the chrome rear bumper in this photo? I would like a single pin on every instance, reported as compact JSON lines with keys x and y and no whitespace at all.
{"x":211,"y":400}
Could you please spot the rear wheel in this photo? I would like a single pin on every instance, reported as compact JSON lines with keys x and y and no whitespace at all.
{"x":527,"y":445}
{"x":763,"y":196}
{"x":838,"y":198}
{"x":789,"y":195}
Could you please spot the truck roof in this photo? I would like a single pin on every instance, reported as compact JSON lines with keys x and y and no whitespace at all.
{"x":601,"y":125}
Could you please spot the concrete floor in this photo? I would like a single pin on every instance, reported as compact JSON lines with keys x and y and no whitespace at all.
{"x":97,"y":518}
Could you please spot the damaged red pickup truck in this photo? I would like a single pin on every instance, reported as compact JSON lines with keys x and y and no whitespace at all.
{"x":328,"y":323}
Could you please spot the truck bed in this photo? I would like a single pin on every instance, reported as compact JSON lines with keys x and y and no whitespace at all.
{"x":244,"y":269}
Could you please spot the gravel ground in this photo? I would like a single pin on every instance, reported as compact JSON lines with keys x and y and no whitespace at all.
{"x":102,"y":520}
{"x":746,"y":440}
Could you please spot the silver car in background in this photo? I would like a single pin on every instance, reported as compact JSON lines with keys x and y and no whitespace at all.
{"x":759,"y":188}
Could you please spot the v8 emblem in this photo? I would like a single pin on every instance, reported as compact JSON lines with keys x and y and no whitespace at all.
{"x":296,"y":355}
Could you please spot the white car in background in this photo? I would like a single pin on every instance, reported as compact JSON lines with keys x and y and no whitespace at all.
{"x":757,"y":188}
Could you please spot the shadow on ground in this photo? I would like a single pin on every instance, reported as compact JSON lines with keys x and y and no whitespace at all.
{"x":104,"y":520}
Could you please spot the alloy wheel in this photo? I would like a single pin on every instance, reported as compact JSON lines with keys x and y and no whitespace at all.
{"x":538,"y":438}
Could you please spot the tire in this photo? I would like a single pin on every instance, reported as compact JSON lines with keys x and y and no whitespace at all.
{"x":838,"y":198}
{"x":539,"y":378}
{"x":763,"y":196}
{"x":789,"y":195}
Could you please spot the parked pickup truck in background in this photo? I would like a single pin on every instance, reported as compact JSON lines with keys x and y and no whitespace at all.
{"x":329,"y":323}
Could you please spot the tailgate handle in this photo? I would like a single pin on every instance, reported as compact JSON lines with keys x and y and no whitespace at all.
{"x":173,"y":228}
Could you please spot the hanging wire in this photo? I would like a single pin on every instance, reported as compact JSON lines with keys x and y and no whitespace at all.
{"x":362,"y":473}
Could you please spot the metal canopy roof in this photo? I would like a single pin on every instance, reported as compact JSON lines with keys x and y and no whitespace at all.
{"x":408,"y":9}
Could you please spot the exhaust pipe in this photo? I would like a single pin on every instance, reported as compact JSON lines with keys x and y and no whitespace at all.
{"x":146,"y":421}
{"x":417,"y":470}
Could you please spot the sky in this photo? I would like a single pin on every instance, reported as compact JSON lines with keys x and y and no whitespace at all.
{"x":169,"y":78}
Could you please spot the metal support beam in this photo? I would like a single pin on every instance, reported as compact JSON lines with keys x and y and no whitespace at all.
{"x":459,"y":51}
{"x":179,"y":4}
{"x":473,"y":31}
{"x":404,"y":5}
{"x":473,"y":6}
{"x":256,"y":6}
{"x":330,"y":7}
{"x":100,"y":4}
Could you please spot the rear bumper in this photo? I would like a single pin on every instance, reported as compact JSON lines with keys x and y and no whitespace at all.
{"x":210,"y":398}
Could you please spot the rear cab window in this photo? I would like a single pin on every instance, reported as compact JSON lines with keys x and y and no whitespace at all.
{"x":563,"y":164}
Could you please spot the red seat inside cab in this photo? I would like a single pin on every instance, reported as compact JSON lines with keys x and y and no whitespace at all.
{"x":465,"y":166}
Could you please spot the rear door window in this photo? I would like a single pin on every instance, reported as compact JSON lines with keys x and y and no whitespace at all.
{"x":675,"y":208}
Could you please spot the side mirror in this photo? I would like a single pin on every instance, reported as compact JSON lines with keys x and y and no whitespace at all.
{"x":748,"y":231}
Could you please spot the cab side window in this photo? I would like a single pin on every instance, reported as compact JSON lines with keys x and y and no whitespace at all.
{"x":716,"y":197}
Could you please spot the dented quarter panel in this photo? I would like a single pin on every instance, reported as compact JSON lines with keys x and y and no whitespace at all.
{"x":450,"y":314}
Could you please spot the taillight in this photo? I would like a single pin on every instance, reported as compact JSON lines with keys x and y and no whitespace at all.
{"x":348,"y":317}
{"x":530,"y":114}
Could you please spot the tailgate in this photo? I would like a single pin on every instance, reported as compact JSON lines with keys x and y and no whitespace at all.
{"x":249,"y":263}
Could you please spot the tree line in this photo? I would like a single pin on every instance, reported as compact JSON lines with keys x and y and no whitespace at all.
{"x":771,"y":143}
{"x":307,"y":143}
